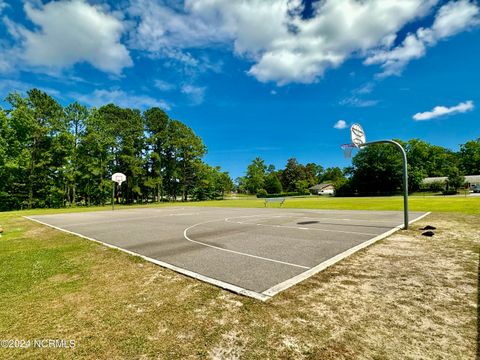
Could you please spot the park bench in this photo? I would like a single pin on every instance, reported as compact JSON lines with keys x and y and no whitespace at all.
{"x":279,"y":200}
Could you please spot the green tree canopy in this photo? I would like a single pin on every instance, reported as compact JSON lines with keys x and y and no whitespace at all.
{"x":255,"y":178}
{"x":53,"y":156}
{"x":469,"y":157}
{"x":272,"y":184}
{"x":332,"y":174}
{"x":377,"y":169}
{"x":455,"y":179}
{"x":293,"y":172}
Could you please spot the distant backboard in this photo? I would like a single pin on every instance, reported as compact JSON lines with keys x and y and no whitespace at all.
{"x":358,"y":135}
{"x":119,"y":178}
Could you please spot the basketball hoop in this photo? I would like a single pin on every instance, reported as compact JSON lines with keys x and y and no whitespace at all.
{"x":347,"y":150}
{"x":359,"y":140}
{"x":119,"y":178}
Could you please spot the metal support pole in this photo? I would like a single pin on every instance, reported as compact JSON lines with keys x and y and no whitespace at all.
{"x":405,"y":176}
{"x":113,"y":195}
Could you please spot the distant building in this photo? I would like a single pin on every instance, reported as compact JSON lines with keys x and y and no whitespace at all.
{"x":470,"y":180}
{"x":322,"y":189}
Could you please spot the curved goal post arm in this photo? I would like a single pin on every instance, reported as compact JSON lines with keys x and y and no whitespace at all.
{"x":405,"y":175}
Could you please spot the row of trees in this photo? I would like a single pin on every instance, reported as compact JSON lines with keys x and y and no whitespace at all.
{"x":53,"y":156}
{"x":294,"y":178}
{"x":376,"y":169}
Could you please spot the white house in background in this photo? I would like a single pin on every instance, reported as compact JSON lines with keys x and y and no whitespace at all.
{"x":470,"y":180}
{"x":322,"y":189}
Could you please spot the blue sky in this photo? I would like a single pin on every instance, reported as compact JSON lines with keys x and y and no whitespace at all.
{"x":268,"y":78}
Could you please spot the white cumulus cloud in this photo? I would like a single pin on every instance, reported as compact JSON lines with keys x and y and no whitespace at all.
{"x":69,"y":32}
{"x":451,"y":19}
{"x":443,"y":110}
{"x":164,"y":27}
{"x":283,"y":46}
{"x":340,"y":124}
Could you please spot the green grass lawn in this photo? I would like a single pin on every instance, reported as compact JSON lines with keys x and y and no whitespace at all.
{"x":460,"y":204}
{"x":468,"y":205}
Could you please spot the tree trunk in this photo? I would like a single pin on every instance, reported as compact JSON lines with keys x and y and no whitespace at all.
{"x":102,"y":198}
{"x":31,"y":175}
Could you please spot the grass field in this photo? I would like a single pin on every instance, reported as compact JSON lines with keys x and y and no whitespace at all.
{"x":460,"y":204}
{"x":467,"y":205}
{"x":405,"y":297}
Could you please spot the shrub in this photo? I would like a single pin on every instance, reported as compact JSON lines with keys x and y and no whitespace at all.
{"x":455,"y":179}
{"x":262,"y":193}
{"x":286,"y":194}
{"x":273,"y":184}
{"x":436,"y":186}
{"x":301,"y":186}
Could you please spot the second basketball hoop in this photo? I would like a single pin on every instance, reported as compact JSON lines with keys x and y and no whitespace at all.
{"x":119,"y":178}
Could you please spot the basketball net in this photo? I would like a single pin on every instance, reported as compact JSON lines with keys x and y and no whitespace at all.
{"x":347,"y":150}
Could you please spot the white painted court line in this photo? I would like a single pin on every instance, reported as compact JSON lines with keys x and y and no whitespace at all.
{"x":233,"y":251}
{"x":192,"y":274}
{"x":322,"y":266}
{"x":296,"y":227}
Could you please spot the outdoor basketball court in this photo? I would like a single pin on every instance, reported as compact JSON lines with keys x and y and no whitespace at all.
{"x":255,"y":252}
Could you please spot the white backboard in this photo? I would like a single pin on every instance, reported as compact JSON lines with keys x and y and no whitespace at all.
{"x":357,"y":134}
{"x":119,"y":178}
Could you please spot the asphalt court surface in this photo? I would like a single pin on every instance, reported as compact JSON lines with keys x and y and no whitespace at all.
{"x":257,"y":252}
